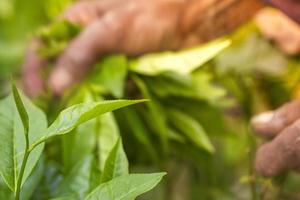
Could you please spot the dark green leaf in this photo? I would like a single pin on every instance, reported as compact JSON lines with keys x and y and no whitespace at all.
{"x":191,"y":128}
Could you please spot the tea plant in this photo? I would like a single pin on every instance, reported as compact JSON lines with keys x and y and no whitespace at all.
{"x":23,"y":134}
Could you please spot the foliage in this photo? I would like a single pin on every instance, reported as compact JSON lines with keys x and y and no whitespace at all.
{"x":24,"y":132}
{"x":196,"y":126}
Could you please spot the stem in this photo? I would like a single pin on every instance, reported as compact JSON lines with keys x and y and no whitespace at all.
{"x":251,"y":171}
{"x":20,"y":177}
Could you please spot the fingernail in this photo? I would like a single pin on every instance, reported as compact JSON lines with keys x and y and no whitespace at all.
{"x":263,"y":118}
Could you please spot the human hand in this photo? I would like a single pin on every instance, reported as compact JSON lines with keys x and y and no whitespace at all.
{"x":132,"y":27}
{"x":282,"y":152}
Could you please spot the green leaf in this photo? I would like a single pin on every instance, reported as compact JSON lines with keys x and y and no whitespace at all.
{"x":249,"y":52}
{"x":126,"y":187}
{"x":182,"y":62}
{"x":75,"y":115}
{"x":116,"y":163}
{"x":21,"y":109}
{"x":77,"y":182}
{"x":191,"y":128}
{"x":33,"y":180}
{"x":111,"y":73}
{"x":137,"y":127}
{"x":12,"y":139}
{"x":155,"y":115}
{"x":107,"y":136}
{"x":81,"y":142}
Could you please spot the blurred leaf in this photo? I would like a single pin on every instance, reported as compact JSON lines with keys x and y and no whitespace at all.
{"x":12,"y":143}
{"x":54,"y":8}
{"x":33,"y":180}
{"x":55,"y":37}
{"x":250,"y":52}
{"x":155,"y":115}
{"x":191,"y":128}
{"x":76,"y":183}
{"x":126,"y":187}
{"x":111,"y":73}
{"x":75,"y":115}
{"x":116,"y":163}
{"x":182,"y":62}
{"x":205,"y":89}
{"x":138,"y":129}
{"x":198,"y":85}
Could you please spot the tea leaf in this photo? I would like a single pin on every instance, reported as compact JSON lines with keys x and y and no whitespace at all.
{"x":116,"y":163}
{"x":183,"y":62}
{"x":191,"y":128}
{"x":21,"y":109}
{"x":111,"y":73}
{"x":76,"y":183}
{"x":12,"y":140}
{"x":75,"y":115}
{"x":126,"y":187}
{"x":107,"y":136}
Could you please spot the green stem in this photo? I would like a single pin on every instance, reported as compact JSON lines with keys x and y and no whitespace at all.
{"x":20,"y":177}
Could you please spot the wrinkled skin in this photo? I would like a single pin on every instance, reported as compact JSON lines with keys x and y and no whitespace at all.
{"x":132,"y":27}
{"x":282,"y":130}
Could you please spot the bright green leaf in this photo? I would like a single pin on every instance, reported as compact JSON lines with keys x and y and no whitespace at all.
{"x":75,"y":115}
{"x":111,"y":73}
{"x":126,"y":187}
{"x":182,"y":62}
{"x":116,"y":163}
{"x":21,"y":109}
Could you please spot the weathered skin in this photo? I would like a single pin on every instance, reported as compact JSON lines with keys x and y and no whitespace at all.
{"x":282,"y":151}
{"x":134,"y":27}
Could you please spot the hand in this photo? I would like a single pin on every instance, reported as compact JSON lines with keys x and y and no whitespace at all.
{"x":132,"y":27}
{"x":282,"y":151}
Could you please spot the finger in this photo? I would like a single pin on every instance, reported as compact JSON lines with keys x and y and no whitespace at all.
{"x":86,"y":12}
{"x":31,"y":80}
{"x":281,"y":154}
{"x":290,"y":7}
{"x":77,"y":59}
{"x":270,"y":123}
{"x":134,"y":29}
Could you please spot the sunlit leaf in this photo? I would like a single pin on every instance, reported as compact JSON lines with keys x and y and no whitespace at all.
{"x":182,"y":62}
